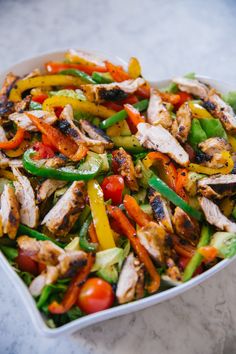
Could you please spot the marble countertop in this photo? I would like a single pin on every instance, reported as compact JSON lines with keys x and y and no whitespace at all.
{"x":169,"y":37}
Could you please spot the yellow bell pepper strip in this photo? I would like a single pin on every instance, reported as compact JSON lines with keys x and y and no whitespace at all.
{"x":14,"y":142}
{"x":19,"y":151}
{"x":229,"y":165}
{"x":42,"y":81}
{"x":77,"y":105}
{"x":198,"y":111}
{"x":129,"y":231}
{"x":232,"y":141}
{"x":134,"y":68}
{"x":100,"y":219}
{"x":168,"y":166}
{"x":61,"y":142}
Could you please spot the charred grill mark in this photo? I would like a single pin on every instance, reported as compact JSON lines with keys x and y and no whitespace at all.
{"x":12,"y":219}
{"x":209,"y":105}
{"x":64,"y":126}
{"x":6,"y":107}
{"x":201,"y":157}
{"x":224,"y":188}
{"x":73,"y":267}
{"x":157,"y":208}
{"x":94,"y":132}
{"x":115,"y":94}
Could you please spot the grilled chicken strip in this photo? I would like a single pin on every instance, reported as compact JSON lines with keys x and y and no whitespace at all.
{"x":218,"y":186}
{"x":157,"y":112}
{"x":213,"y":148}
{"x":111,"y":92}
{"x":29,"y":212}
{"x":218,"y":108}
{"x":161,"y":210}
{"x":99,"y":140}
{"x":183,"y":121}
{"x":159,"y":139}
{"x":22,"y":120}
{"x":61,"y":218}
{"x":10,"y":215}
{"x":185,"y":226}
{"x":152,"y":237}
{"x":59,"y":263}
{"x":6,"y":162}
{"x":8,"y":84}
{"x":215,"y":217}
{"x":47,"y":188}
{"x":192,"y":86}
{"x":2,"y":134}
{"x":123,"y":165}
{"x":128,"y":282}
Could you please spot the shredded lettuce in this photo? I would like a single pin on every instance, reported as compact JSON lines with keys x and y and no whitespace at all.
{"x":230,"y":98}
{"x":77,"y":94}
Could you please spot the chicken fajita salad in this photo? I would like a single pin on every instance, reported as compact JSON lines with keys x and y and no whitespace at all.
{"x":112,"y":190}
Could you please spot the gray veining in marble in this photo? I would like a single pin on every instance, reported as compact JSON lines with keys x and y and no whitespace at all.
{"x":169,"y":37}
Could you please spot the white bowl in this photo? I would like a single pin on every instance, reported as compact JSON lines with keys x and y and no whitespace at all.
{"x":37,"y":318}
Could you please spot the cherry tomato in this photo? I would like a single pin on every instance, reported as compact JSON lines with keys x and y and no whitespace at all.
{"x":26,"y":264}
{"x":43,"y":151}
{"x":184,"y":96}
{"x":95,"y":295}
{"x":40,"y":98}
{"x":113,"y":187}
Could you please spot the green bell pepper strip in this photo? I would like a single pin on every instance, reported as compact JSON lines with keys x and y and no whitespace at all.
{"x":122,"y":115}
{"x":213,"y":128}
{"x":168,"y":193}
{"x":196,"y":134}
{"x":102,"y":78}
{"x":47,"y":291}
{"x":86,"y":170}
{"x":197,"y":258}
{"x":129,"y":143}
{"x":10,"y":252}
{"x":25,"y":230}
{"x":83,"y":241}
{"x":81,"y":219}
{"x":78,"y":73}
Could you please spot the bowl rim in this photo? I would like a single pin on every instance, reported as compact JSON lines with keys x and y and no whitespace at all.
{"x":27,"y":298}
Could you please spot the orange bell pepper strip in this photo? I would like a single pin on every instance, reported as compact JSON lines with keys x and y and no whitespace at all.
{"x":183,"y":249}
{"x":92,"y":233}
{"x":170,"y":97}
{"x":62,"y":143}
{"x":14,"y":142}
{"x":53,"y":67}
{"x":182,"y":176}
{"x":134,"y":117}
{"x":135,"y":212}
{"x":117,"y":72}
{"x":208,"y":252}
{"x":144,"y":91}
{"x":71,"y":295}
{"x":183,"y":97}
{"x":129,"y":231}
{"x":168,"y":165}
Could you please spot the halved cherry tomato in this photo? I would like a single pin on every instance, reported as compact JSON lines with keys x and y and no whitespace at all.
{"x":40,"y":98}
{"x":95,"y":295}
{"x":184,"y":96}
{"x":113,"y":187}
{"x":43,"y":151}
{"x":26,"y":264}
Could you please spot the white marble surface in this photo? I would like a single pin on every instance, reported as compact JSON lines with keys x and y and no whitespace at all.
{"x":169,"y":37}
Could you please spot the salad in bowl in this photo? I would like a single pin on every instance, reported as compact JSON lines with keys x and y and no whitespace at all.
{"x":113,"y":189}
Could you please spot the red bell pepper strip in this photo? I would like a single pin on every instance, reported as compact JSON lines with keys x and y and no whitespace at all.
{"x":134,"y":117}
{"x":168,"y":165}
{"x":14,"y":142}
{"x":182,"y":176}
{"x":135,"y":212}
{"x":62,"y":143}
{"x":55,"y":67}
{"x":143,"y":91}
{"x":92,"y":233}
{"x":71,"y":295}
{"x":183,"y":97}
{"x":117,"y":72}
{"x":132,"y":99}
{"x":40,"y":98}
{"x":112,"y":105}
{"x":129,"y":231}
